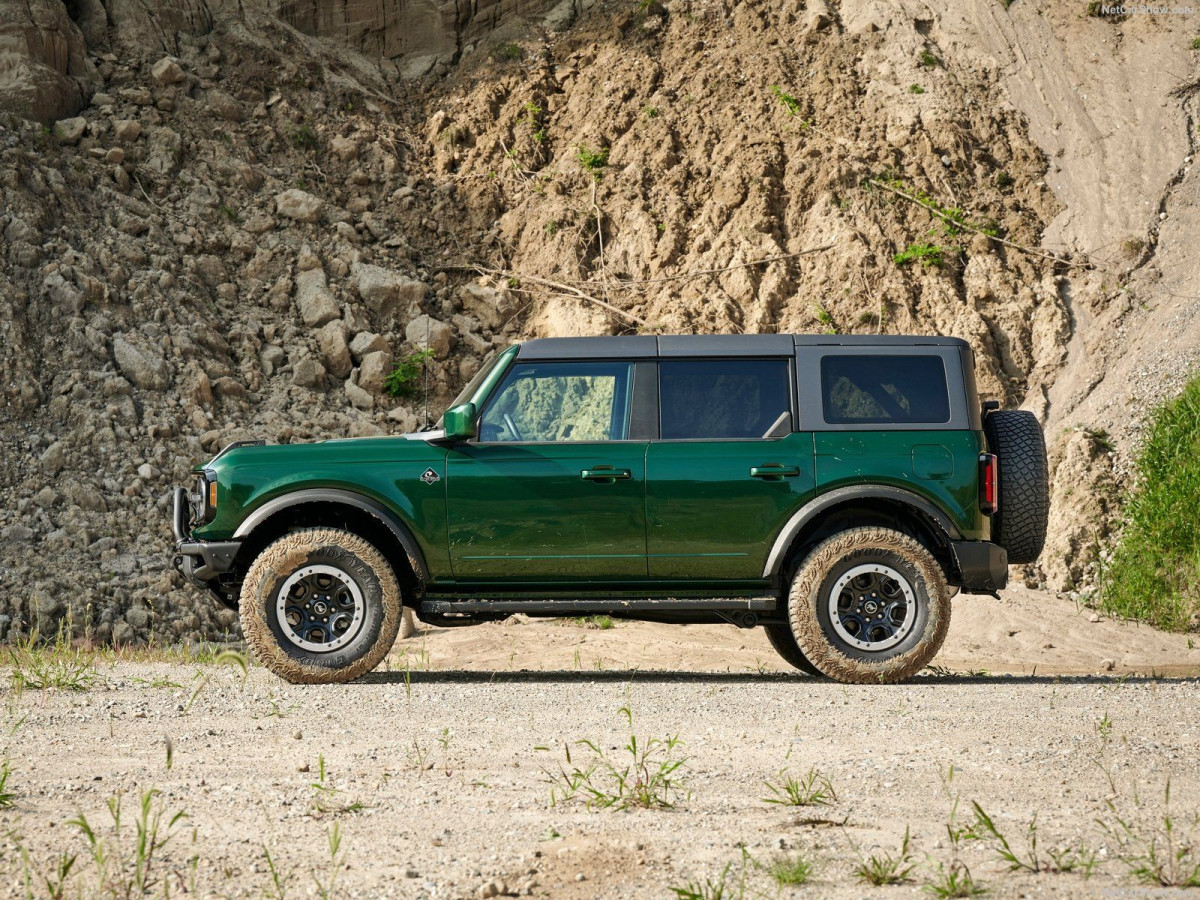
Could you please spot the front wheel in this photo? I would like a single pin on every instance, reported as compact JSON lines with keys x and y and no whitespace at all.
{"x":320,"y":606}
{"x":869,"y":606}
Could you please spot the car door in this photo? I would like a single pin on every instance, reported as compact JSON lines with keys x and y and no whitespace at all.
{"x":727,"y":470}
{"x":553,"y":488}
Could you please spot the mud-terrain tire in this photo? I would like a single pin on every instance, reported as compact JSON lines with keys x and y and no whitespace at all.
{"x":784,"y":642}
{"x":858,"y":582}
{"x":1019,"y":526}
{"x":337,"y":572}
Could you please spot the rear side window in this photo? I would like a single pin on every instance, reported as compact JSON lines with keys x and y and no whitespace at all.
{"x":870,"y":389}
{"x":734,"y":398}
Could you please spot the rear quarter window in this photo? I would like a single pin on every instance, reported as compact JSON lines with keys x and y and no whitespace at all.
{"x":884,"y":389}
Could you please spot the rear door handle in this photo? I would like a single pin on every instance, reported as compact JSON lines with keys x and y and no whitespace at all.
{"x":605,"y":474}
{"x":774,"y":473}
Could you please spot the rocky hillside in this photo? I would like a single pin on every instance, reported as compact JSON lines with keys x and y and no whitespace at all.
{"x":235,"y":220}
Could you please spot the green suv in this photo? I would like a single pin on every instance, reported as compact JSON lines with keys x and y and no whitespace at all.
{"x":837,"y":491}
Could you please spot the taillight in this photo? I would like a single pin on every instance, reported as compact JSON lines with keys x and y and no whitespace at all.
{"x":989,"y":483}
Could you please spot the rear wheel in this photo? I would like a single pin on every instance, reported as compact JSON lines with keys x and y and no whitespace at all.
{"x":319,"y":606}
{"x":785,"y":645}
{"x":869,"y":605}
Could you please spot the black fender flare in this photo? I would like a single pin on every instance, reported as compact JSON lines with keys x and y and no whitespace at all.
{"x":809,"y":511}
{"x":369,"y":505}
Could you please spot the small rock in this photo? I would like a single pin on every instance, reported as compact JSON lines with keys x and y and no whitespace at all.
{"x":359,"y":398}
{"x":141,"y":365}
{"x":425,"y":331}
{"x":147,"y":472}
{"x":314,"y":300}
{"x":310,"y":374}
{"x":303,"y":767}
{"x":299,"y":735}
{"x":336,"y":353}
{"x":1108,"y":664}
{"x":69,"y":131}
{"x":1094,"y":617}
{"x":127,"y":130}
{"x":365,"y":342}
{"x":410,"y":872}
{"x":343,"y":148}
{"x":167,"y":71}
{"x":299,"y":205}
{"x":116,"y":156}
{"x":489,"y":305}
{"x":224,"y":107}
{"x":387,"y":292}
{"x":374,"y":371}
{"x":54,"y":458}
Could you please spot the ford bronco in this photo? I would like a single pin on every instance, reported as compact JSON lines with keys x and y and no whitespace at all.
{"x":835,"y":490}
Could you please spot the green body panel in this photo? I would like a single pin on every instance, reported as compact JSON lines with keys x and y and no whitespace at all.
{"x":707,"y":518}
{"x":941,"y":466}
{"x":385,"y":469}
{"x":686,"y":519}
{"x":524,"y":512}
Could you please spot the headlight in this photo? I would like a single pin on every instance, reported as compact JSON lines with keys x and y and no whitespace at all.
{"x":204,"y":500}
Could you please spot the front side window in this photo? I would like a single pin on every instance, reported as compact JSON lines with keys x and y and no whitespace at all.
{"x":724,"y":398}
{"x":550,"y":402}
{"x":881,"y":390}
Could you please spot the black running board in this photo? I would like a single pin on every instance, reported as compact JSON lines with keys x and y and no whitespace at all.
{"x":597,"y":607}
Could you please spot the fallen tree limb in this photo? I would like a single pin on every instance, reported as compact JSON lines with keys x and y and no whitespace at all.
{"x":946,"y":217}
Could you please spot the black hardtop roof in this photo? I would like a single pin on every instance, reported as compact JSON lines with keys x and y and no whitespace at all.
{"x":692,"y":345}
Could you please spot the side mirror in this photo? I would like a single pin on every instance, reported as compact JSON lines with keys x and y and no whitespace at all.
{"x":459,"y":422}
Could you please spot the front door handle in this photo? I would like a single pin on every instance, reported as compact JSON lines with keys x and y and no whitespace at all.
{"x":774,"y":473}
{"x":605,"y":474}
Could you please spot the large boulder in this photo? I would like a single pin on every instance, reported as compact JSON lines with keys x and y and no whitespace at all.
{"x":426,"y":332}
{"x":314,"y":299}
{"x":334,"y":349}
{"x":491,"y":306}
{"x":45,"y":73}
{"x":140,"y":363}
{"x":373,"y":373}
{"x":298,"y":205}
{"x":386,"y":292}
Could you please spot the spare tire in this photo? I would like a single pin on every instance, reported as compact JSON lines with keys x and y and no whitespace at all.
{"x":1019,"y":526}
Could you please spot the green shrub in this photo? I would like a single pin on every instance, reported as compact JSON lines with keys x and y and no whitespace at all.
{"x":593,"y":160}
{"x":926,"y":254}
{"x":304,"y":138}
{"x":403,"y":380}
{"x":915,"y":89}
{"x":1154,"y":575}
{"x":1196,"y":43}
{"x":791,"y":103}
{"x":510,"y":51}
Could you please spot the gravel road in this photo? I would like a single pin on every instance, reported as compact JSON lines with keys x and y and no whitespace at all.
{"x":455,"y":800}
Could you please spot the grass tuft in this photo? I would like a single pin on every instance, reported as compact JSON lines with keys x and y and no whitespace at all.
{"x":814,"y":789}
{"x":1154,"y":575}
{"x":884,"y":868}
{"x":926,"y":254}
{"x":648,"y":774}
{"x":790,"y":870}
{"x":56,"y":666}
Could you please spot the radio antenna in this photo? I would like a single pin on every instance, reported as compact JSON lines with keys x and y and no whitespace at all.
{"x":426,"y":365}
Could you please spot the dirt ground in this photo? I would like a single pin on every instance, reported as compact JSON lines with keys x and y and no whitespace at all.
{"x":441,"y":750}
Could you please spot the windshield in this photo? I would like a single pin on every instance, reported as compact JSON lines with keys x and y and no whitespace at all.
{"x":473,"y":385}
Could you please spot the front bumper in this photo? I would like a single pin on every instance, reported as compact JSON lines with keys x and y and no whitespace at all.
{"x":982,"y":566}
{"x":200,"y":562}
